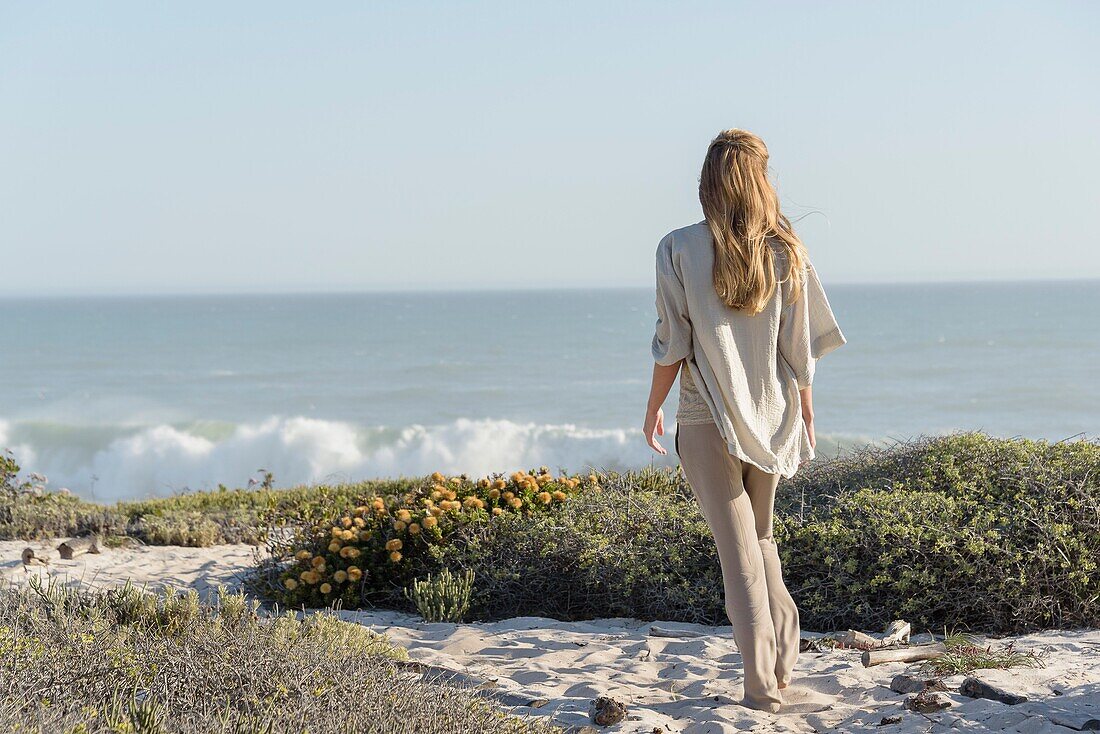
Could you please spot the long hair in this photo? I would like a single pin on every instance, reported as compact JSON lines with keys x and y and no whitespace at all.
{"x":742,"y":211}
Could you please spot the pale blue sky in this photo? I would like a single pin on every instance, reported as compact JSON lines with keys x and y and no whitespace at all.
{"x":268,"y":146}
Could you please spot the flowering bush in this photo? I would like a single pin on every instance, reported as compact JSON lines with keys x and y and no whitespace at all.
{"x":342,"y":559}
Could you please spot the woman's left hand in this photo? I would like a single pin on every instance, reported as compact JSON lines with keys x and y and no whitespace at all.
{"x":654,"y":426}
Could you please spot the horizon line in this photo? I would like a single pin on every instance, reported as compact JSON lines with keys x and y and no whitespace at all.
{"x":428,"y":289}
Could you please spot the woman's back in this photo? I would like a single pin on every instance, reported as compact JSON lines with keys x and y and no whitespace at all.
{"x":747,"y":368}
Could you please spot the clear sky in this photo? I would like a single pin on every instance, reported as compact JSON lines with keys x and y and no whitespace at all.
{"x":268,"y":146}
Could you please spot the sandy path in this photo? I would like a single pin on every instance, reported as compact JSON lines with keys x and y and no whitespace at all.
{"x":684,"y":684}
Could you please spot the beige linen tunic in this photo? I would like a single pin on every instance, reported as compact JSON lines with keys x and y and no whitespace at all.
{"x":747,"y":369}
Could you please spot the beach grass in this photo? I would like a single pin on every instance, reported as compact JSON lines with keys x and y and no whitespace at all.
{"x":124,"y":660}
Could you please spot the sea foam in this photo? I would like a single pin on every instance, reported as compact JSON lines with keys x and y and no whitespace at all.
{"x":163,"y":459}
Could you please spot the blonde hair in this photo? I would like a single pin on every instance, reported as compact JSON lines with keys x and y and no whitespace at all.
{"x":742,"y":212}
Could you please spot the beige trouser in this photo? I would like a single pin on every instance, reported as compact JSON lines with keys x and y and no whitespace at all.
{"x":737,"y":499}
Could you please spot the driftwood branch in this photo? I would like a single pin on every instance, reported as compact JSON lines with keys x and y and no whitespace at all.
{"x":78,"y":546}
{"x":903,"y":654}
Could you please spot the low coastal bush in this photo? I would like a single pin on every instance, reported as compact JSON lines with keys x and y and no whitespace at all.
{"x":379,"y":547}
{"x":998,"y":535}
{"x":963,"y":531}
{"x":127,"y":661}
{"x":966,"y":530}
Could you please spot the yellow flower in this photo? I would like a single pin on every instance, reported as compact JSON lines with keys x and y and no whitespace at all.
{"x":394,"y":544}
{"x":340,"y":576}
{"x":303,"y":555}
{"x":509,"y":495}
{"x":436,"y":512}
{"x":544,"y":479}
{"x":361,"y":510}
{"x":404,"y":515}
{"x":450,"y":494}
{"x":378,"y":504}
{"x":544,"y":498}
{"x":398,"y":525}
{"x":499,"y":484}
{"x":365,"y":535}
{"x":336,"y":531}
{"x":497,"y":510}
{"x":318,"y":563}
{"x":414,"y":529}
{"x":349,"y":552}
{"x":494,"y":493}
{"x":483,"y":483}
{"x":516,"y":502}
{"x":290,"y":584}
{"x":456,"y":480}
{"x":395,"y":556}
{"x":334,"y":546}
{"x":436,"y":495}
{"x":430,"y":521}
{"x":559,"y":495}
{"x":326,"y":588}
{"x":517,"y":476}
{"x":592,"y":478}
{"x":311,"y":577}
{"x":360,"y":522}
{"x":354,"y":573}
{"x":346,"y":522}
{"x":437,"y":477}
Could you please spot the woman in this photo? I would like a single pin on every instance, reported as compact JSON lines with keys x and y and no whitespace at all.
{"x":742,"y":318}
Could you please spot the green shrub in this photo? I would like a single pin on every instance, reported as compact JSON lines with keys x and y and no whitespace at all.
{"x":993,"y":534}
{"x":962,"y":530}
{"x":371,"y":552}
{"x":442,"y":598}
{"x":966,"y":530}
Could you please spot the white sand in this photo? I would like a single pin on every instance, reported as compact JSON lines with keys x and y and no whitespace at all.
{"x":685,"y":684}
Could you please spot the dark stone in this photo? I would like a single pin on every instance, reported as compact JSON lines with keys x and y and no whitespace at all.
{"x":977,"y":688}
{"x":606,"y":711}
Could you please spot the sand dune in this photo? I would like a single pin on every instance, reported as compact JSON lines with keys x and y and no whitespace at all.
{"x":674,"y":677}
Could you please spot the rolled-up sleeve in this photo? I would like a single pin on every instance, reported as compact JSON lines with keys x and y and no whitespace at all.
{"x":808,"y":329}
{"x":672,"y":335}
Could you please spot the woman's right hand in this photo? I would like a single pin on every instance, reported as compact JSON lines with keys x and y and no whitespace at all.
{"x":654,"y":426}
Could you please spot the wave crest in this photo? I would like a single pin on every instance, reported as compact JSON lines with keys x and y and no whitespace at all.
{"x":124,"y":462}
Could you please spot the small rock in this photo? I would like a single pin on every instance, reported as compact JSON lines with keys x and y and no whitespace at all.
{"x":30,"y":559}
{"x":885,"y":720}
{"x":927,"y":702}
{"x":904,"y":683}
{"x":606,"y":711}
{"x":977,"y":688}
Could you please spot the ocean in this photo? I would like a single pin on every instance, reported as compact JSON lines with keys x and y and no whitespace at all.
{"x":130,"y":397}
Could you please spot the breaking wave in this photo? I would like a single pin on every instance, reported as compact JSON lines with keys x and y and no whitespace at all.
{"x":109,"y":463}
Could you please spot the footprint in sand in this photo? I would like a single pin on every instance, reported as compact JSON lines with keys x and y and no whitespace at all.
{"x":801,"y":700}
